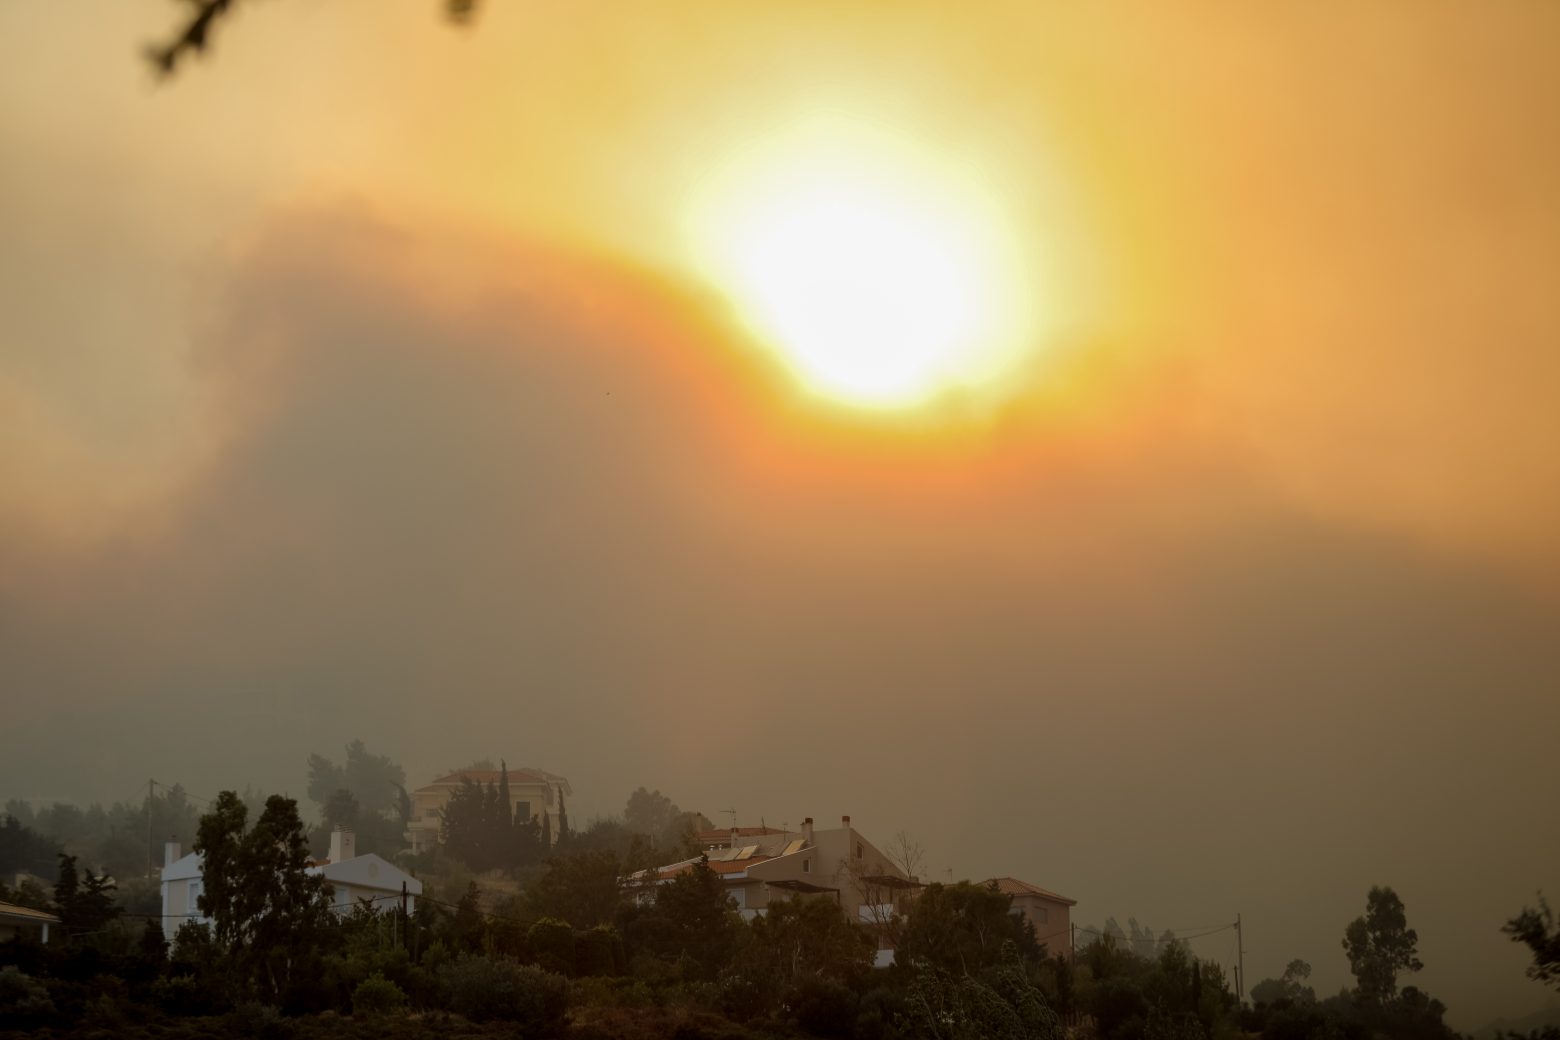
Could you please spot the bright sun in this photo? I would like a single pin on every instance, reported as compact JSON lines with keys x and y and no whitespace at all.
{"x":877,"y":282}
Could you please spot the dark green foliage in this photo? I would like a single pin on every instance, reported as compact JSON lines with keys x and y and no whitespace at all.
{"x":152,"y":947}
{"x":477,"y":827}
{"x":825,"y":1008}
{"x":482,"y":990}
{"x":24,"y":1001}
{"x":948,"y":1006}
{"x":366,"y":794}
{"x":124,"y":840}
{"x":664,"y":827}
{"x":1380,"y":947}
{"x":29,"y":893}
{"x":962,"y":928}
{"x":804,"y":938}
{"x":597,"y":952}
{"x":691,"y":922}
{"x":377,"y":995}
{"x":24,"y":849}
{"x":580,"y":889}
{"x":84,"y":902}
{"x":268,"y":913}
{"x":1536,"y":929}
{"x":1288,"y":987}
{"x":552,"y":944}
{"x":468,"y":927}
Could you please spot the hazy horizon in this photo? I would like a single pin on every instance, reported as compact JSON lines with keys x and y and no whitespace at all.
{"x":361,"y":382}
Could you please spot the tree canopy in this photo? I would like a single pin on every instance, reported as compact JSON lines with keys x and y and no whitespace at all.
{"x":1381,"y":946}
{"x":266,"y":908}
{"x":1536,"y":929}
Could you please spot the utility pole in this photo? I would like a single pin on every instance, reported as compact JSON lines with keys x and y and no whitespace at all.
{"x":1240,"y":962}
{"x":403,"y":915}
{"x":1072,"y":940}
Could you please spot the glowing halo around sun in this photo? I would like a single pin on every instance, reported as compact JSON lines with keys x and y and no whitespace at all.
{"x":879,"y":279}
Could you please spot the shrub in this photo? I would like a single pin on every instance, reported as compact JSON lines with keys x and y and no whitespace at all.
{"x":182,"y":995}
{"x":258,"y":1021}
{"x":377,"y":995}
{"x":483,"y":989}
{"x":552,"y":943}
{"x":594,"y":952}
{"x":23,"y":999}
{"x":825,"y":1008}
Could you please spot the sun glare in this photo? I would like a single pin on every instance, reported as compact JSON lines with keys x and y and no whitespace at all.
{"x":876,"y":281}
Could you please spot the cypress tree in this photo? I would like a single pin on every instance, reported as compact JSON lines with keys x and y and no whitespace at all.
{"x":508,"y":845}
{"x":563,"y":818}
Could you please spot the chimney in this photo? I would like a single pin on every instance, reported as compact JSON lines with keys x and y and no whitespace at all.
{"x":342,"y":845}
{"x":845,"y":822}
{"x":170,"y":853}
{"x":736,"y":839}
{"x":807,"y":830}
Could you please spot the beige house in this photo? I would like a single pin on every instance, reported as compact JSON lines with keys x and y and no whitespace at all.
{"x":1049,"y":913}
{"x":532,"y":794}
{"x":17,"y":921}
{"x":760,"y":865}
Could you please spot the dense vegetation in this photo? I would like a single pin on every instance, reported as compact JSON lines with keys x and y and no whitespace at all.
{"x":553,"y":941}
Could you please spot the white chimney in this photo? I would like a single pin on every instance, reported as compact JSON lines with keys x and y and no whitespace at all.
{"x":170,"y":853}
{"x":736,"y":839}
{"x":807,"y":830}
{"x":342,"y":845}
{"x":845,"y":822}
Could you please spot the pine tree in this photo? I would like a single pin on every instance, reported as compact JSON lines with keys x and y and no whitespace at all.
{"x":67,"y":888}
{"x":563,"y":819}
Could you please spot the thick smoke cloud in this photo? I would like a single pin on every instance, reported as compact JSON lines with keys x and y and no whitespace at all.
{"x":460,"y":508}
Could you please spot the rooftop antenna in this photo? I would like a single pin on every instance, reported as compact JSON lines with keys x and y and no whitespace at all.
{"x":732,"y":812}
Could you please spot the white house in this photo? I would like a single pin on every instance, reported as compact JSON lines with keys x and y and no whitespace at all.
{"x":353,"y":879}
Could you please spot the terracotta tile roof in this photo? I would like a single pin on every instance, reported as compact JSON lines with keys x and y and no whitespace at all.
{"x":722,"y":867}
{"x":12,"y":912}
{"x":1014,"y":887}
{"x":491,"y":776}
{"x":706,"y":837}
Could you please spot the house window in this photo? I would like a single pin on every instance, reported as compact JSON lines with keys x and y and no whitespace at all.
{"x":806,"y":866}
{"x":523,"y":811}
{"x":1042,"y":916}
{"x":858,"y":850}
{"x":195,"y":888}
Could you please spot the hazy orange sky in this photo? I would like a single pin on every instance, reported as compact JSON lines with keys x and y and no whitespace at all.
{"x":372,"y":378}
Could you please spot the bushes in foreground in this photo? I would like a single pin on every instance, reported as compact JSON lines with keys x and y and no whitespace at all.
{"x":486,"y":990}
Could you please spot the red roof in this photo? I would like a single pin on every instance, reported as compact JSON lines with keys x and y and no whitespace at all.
{"x":1014,"y":887}
{"x":731,"y":866}
{"x":705,"y":837}
{"x":492,"y":776}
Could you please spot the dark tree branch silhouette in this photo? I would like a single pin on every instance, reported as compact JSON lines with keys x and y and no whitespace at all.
{"x":205,"y":14}
{"x":1536,"y":929}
